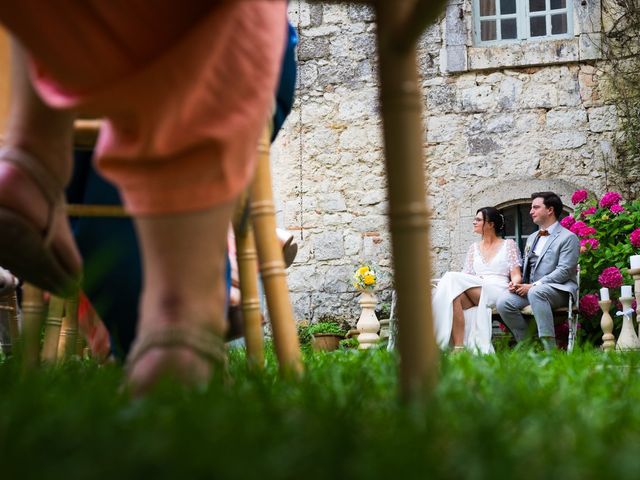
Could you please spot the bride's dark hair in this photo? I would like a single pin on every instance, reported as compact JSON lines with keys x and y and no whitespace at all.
{"x":491,"y":214}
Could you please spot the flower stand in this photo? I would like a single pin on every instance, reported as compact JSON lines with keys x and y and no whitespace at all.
{"x":368,"y":324}
{"x":628,"y":339}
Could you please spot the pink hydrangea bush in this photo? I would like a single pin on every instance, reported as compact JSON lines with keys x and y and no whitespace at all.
{"x":609,"y":231}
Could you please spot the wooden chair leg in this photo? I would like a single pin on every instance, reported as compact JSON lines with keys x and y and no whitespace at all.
{"x":69,"y":330}
{"x":250,"y":301}
{"x":401,"y":101}
{"x":271,"y":261}
{"x":9,"y":320}
{"x":33,"y":313}
{"x":52,"y":327}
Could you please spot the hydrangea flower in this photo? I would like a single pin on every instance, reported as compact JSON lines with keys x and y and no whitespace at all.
{"x":582,"y":229}
{"x":589,"y":244}
{"x":567,"y":221}
{"x":589,"y":304}
{"x":634,"y":237}
{"x":576,"y":227}
{"x":610,"y":198}
{"x":610,"y":278}
{"x":616,"y":209}
{"x":579,"y":196}
{"x":588,"y":211}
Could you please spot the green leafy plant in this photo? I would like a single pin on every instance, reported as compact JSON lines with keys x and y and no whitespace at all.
{"x":384,"y":311}
{"x":326,"y":327}
{"x":609,"y":234}
{"x":349,"y":343}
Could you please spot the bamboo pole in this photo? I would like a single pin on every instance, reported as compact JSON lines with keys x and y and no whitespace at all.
{"x":5,"y":79}
{"x":33,"y":312}
{"x":401,"y":102}
{"x":69,"y":330}
{"x":250,"y":302}
{"x":81,"y":210}
{"x":9,"y":317}
{"x":52,"y":327}
{"x":85,"y":132}
{"x":424,"y":12}
{"x":272,"y":270}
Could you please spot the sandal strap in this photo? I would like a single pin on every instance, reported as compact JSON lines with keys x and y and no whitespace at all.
{"x":200,"y":340}
{"x":50,"y":187}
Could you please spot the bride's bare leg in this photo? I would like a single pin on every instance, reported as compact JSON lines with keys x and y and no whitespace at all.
{"x":464,"y":301}
{"x":472,"y":298}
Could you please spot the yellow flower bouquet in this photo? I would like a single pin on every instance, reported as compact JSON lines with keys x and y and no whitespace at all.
{"x":365,"y":278}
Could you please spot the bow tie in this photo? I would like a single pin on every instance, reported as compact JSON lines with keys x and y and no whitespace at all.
{"x":543,"y":233}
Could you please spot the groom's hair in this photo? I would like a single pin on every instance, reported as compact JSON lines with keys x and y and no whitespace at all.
{"x":550,"y":200}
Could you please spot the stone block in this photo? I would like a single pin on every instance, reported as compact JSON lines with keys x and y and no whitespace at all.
{"x":441,"y":99}
{"x":373,"y":197}
{"x":331,"y":202}
{"x":352,"y":244}
{"x":565,"y":119}
{"x":443,"y":128}
{"x":313,"y":48}
{"x":478,"y":99}
{"x":482,"y":145}
{"x":565,"y":140}
{"x":337,"y":278}
{"x":440,"y":234}
{"x":539,"y":95}
{"x":354,"y":138}
{"x":602,"y":119}
{"x":328,"y":246}
{"x":336,"y":14}
{"x":302,"y":278}
{"x":361,"y":13}
{"x":359,"y":105}
{"x":300,"y":17}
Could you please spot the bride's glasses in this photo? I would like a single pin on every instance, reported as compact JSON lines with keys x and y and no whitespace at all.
{"x":478,"y":220}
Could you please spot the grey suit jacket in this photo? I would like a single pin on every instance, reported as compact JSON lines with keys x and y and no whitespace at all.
{"x":558,"y":262}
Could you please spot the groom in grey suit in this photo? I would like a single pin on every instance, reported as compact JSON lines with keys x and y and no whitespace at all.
{"x":548,"y":272}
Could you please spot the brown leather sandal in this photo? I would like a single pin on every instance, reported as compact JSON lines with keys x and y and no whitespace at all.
{"x":26,"y":250}
{"x":206,"y":344}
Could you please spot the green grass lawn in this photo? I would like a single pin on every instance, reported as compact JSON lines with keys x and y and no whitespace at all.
{"x":516,"y":414}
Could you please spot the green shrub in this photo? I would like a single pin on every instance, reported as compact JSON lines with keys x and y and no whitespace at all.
{"x":326,"y":327}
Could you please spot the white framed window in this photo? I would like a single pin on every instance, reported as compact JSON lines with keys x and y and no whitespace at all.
{"x":505,"y":21}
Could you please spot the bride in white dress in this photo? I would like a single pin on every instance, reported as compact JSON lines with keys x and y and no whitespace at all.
{"x":462,"y":301}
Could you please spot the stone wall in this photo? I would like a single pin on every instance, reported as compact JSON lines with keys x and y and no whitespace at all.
{"x":493,"y":136}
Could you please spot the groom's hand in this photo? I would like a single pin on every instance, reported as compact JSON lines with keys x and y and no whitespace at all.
{"x":522,"y":289}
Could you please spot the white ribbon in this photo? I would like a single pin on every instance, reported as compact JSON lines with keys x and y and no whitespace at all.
{"x":624,"y":312}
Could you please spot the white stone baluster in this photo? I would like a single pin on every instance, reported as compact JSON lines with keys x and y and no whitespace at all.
{"x":368,"y":324}
{"x":635,"y":273}
{"x":608,"y":340}
{"x":628,"y":339}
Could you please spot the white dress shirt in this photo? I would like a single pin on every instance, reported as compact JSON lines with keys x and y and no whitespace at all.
{"x":542,"y":241}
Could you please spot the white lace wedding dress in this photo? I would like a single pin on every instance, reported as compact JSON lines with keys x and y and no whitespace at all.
{"x":493,"y":277}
